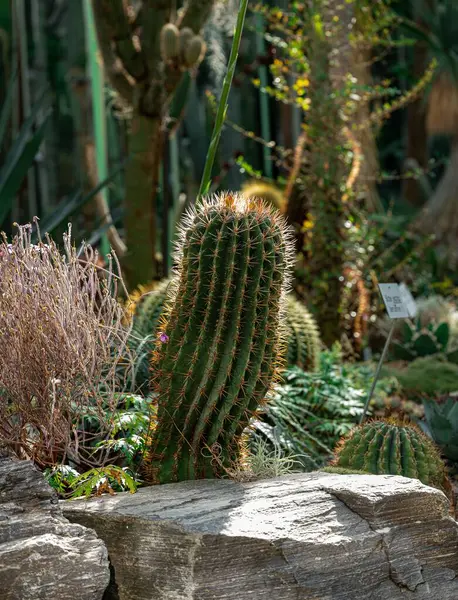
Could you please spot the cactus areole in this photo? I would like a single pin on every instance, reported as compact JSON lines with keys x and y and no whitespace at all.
{"x":224,"y":337}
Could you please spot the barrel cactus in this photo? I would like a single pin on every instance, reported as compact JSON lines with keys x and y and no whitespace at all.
{"x":303,"y":338}
{"x":222,"y":345}
{"x":266,"y":191}
{"x":146,"y":304}
{"x":145,"y":307}
{"x":393,"y":447}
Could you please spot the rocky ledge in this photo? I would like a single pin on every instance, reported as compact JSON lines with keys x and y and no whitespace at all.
{"x":315,"y":536}
{"x":42,"y":555}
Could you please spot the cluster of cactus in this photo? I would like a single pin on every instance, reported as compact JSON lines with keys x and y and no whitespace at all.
{"x":222,"y":345}
{"x":417,"y":341}
{"x":394,"y":447}
{"x":301,"y":335}
{"x":181,"y":45}
{"x":441,"y":417}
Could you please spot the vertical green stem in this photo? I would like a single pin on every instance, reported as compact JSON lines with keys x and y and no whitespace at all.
{"x":98,"y":105}
{"x":377,"y":372}
{"x":223,"y":104}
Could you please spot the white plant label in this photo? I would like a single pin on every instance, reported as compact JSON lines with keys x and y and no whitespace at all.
{"x":394,"y":300}
{"x":408,"y":300}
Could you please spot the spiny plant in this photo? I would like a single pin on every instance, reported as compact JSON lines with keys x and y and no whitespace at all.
{"x":266,"y":191}
{"x":146,"y":305}
{"x":418,"y":341}
{"x":303,"y":336}
{"x":222,"y":337}
{"x":394,"y":447}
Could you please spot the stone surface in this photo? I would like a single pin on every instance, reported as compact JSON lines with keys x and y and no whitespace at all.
{"x":314,"y":536}
{"x":42,"y":555}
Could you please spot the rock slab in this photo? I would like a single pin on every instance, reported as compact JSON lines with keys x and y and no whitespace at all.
{"x":42,"y":555}
{"x":314,"y":536}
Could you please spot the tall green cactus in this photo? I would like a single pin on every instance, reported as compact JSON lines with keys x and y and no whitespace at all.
{"x":389,"y":446}
{"x":303,"y":337}
{"x":222,"y":344}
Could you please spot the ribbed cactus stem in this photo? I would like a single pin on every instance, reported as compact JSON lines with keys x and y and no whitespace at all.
{"x":395,"y":448}
{"x":303,"y":336}
{"x":223,"y":331}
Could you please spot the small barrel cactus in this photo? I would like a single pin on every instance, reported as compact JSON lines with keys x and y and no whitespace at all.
{"x":393,"y":447}
{"x":266,"y":191}
{"x":221,"y":347}
{"x":303,"y":338}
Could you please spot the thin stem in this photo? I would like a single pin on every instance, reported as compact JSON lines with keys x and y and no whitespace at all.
{"x":223,"y":105}
{"x":377,"y":372}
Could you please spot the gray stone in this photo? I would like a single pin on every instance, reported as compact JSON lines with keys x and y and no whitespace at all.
{"x":42,"y":555}
{"x":314,"y":536}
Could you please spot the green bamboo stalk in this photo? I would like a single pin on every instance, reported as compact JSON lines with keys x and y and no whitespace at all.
{"x":98,"y":107}
{"x":223,"y":104}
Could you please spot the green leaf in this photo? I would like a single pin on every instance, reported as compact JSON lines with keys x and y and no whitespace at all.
{"x":407,"y":331}
{"x":70,"y":206}
{"x":5,"y":113}
{"x":401,"y":352}
{"x":20,"y":157}
{"x":442,"y":334}
{"x":424,"y":344}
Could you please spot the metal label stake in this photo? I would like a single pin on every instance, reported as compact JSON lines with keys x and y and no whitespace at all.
{"x":399,"y":304}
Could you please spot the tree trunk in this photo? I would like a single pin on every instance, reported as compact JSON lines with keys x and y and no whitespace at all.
{"x":355,"y":60}
{"x":417,"y":137}
{"x":440,"y":216}
{"x":142,"y":176}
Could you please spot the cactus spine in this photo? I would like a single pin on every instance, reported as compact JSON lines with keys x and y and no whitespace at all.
{"x":223,"y":337}
{"x":389,"y":446}
{"x":303,"y":336}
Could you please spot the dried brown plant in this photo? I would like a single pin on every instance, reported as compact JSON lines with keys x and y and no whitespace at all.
{"x":62,"y":346}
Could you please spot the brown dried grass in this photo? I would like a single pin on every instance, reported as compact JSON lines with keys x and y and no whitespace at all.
{"x":62,"y":343}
